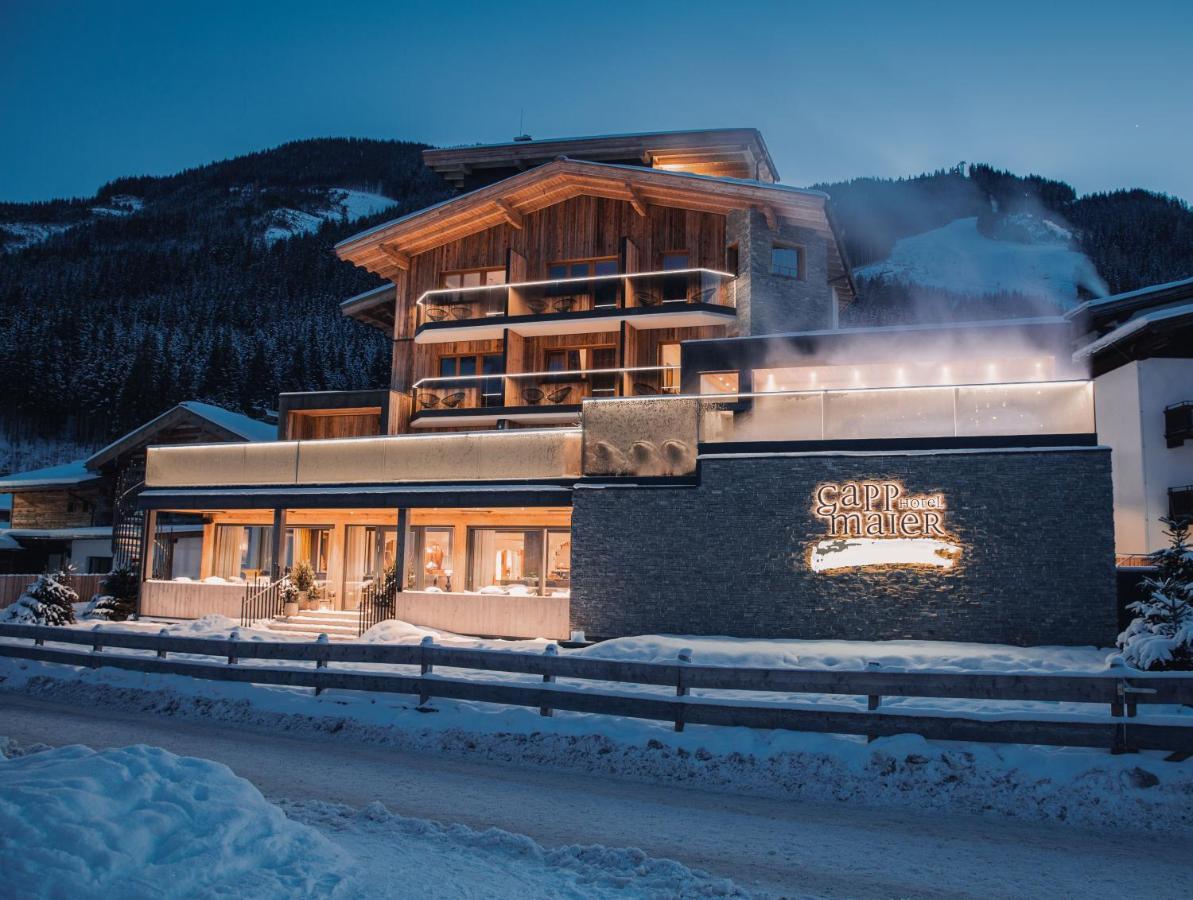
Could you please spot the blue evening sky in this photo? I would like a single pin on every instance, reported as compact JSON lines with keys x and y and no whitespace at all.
{"x":1095,"y":93}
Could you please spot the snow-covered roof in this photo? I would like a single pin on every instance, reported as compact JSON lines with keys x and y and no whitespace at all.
{"x":65,"y":475}
{"x":1100,"y":303}
{"x":1139,"y":323}
{"x":81,"y":532}
{"x":234,"y":424}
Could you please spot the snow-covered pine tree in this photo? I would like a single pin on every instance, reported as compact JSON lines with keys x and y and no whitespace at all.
{"x":1161,"y":635}
{"x":45,"y":602}
{"x":119,"y":598}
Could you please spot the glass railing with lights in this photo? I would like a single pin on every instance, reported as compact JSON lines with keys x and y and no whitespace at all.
{"x":542,"y":391}
{"x":1035,"y":408}
{"x":646,"y":291}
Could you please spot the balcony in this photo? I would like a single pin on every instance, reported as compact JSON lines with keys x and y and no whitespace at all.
{"x":543,"y":398}
{"x":681,"y":298}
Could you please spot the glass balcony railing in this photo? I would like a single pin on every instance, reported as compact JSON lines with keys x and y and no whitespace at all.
{"x":657,"y":291}
{"x":961,"y":411}
{"x":545,"y":390}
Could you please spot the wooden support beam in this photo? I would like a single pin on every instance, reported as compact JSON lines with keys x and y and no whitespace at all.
{"x":396,"y":256}
{"x":771,"y":215}
{"x":636,"y":200}
{"x":512,"y":216}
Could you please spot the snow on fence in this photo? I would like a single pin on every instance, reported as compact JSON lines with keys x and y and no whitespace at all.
{"x":1122,"y":690}
{"x":12,"y":586}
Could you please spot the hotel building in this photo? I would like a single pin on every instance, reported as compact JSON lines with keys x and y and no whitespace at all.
{"x":620,"y":403}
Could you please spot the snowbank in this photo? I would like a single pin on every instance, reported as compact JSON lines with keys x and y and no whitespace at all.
{"x":133,"y":822}
{"x":142,"y":822}
{"x":939,"y":656}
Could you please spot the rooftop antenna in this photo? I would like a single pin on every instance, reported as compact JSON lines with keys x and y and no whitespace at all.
{"x":522,"y":136}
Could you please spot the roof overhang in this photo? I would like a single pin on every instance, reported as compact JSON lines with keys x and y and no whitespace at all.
{"x":375,"y":307}
{"x":387,"y":249}
{"x":143,"y":436}
{"x":377,"y":496}
{"x":733,"y":152}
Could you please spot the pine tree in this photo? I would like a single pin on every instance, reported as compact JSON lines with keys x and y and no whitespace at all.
{"x":119,"y":598}
{"x":45,"y":602}
{"x":1161,"y":635}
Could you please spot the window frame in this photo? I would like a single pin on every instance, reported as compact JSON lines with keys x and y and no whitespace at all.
{"x":483,"y":271}
{"x":800,"y":260}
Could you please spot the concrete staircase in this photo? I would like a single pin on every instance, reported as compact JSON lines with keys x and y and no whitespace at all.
{"x":338,"y":625}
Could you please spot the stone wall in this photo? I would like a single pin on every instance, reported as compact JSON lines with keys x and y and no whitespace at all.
{"x":769,"y":303}
{"x":730,"y":556}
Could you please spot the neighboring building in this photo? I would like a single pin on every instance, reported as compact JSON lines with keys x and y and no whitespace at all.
{"x":85,"y":513}
{"x":619,"y":404}
{"x":1139,"y":347}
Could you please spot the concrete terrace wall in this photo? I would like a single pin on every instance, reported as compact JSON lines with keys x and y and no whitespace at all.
{"x":729,"y":556}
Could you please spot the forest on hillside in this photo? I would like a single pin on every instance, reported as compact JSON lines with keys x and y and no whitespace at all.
{"x":113,"y":318}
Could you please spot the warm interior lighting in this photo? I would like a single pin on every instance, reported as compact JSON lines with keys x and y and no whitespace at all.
{"x":554,"y":373}
{"x":587,"y":279}
{"x":905,"y":373}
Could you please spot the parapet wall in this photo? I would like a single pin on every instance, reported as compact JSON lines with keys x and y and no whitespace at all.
{"x":1026,"y":556}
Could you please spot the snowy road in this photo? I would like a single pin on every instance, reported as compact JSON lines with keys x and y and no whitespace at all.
{"x":777,"y":847}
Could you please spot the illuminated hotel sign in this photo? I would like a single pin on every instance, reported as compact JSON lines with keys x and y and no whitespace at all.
{"x":877,"y":523}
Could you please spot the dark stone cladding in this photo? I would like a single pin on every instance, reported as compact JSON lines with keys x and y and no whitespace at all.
{"x":729,"y":555}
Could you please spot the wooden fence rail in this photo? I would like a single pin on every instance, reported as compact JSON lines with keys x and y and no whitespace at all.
{"x":1121,"y":689}
{"x":12,"y":586}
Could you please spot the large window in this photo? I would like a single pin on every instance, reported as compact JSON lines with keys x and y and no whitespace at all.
{"x":485,"y":364}
{"x":575,"y":359}
{"x":469,"y":278}
{"x":603,"y":294}
{"x":675,"y":287}
{"x":242,"y":551}
{"x":429,"y":558}
{"x":669,"y":356}
{"x":310,"y":544}
{"x":519,"y":560}
{"x":369,"y":553}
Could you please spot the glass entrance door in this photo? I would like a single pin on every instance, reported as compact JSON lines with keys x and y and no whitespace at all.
{"x":369,"y":552}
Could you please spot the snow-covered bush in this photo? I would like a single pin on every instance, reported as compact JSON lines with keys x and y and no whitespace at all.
{"x":119,"y":598}
{"x":1161,"y":635}
{"x":45,"y":602}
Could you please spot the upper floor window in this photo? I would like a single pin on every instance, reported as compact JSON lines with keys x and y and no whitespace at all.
{"x":467,"y":278}
{"x":676,"y":260}
{"x":582,"y":268}
{"x":786,"y":261}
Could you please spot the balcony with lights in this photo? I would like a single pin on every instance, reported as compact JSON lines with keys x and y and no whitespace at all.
{"x":678,"y":298}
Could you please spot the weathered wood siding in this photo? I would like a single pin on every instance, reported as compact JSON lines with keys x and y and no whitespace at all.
{"x":66,"y":508}
{"x":190,"y":600}
{"x":495,"y":615}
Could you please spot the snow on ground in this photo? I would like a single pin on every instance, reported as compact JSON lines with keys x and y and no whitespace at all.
{"x":136,"y":821}
{"x":960,"y":259}
{"x":119,"y":206}
{"x":1079,"y":785}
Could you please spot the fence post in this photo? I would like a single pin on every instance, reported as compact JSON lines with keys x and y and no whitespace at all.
{"x":161,"y":653}
{"x":681,"y":689}
{"x":233,"y":638}
{"x":872,"y":700}
{"x":552,"y":651}
{"x":323,"y":640}
{"x":1116,"y":705}
{"x":424,"y":695}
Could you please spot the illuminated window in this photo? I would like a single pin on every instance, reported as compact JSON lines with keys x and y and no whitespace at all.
{"x":530,"y":560}
{"x":669,"y":377}
{"x":429,"y":561}
{"x":785,"y":261}
{"x":718,"y":382}
{"x":468,"y":278}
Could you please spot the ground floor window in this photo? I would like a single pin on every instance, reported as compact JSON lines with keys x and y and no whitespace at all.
{"x":429,"y":558}
{"x":369,"y":553}
{"x":519,"y":560}
{"x":242,"y":551}
{"x":310,"y":544}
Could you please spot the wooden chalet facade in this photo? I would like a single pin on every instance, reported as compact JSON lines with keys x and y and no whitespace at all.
{"x":594,"y":344}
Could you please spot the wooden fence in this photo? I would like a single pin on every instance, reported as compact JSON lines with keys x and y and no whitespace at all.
{"x":12,"y":586}
{"x":1120,"y":690}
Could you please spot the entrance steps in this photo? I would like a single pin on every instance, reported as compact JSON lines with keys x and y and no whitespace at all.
{"x":338,"y":625}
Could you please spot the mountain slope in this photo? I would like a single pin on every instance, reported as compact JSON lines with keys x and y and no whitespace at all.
{"x":219,"y":283}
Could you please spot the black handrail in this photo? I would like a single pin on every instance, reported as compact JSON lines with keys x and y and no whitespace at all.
{"x":377,"y":601}
{"x":262,"y":602}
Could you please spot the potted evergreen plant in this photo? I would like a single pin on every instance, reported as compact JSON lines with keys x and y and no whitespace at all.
{"x":303,"y":577}
{"x":289,"y":599}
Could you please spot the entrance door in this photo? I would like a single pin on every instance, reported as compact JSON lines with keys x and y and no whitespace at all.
{"x":369,"y":552}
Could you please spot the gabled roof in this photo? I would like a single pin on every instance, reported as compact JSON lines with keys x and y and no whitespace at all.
{"x":230,"y":425}
{"x":71,"y":474}
{"x":387,"y":248}
{"x":375,"y":307}
{"x":735,"y":152}
{"x":1156,"y":332}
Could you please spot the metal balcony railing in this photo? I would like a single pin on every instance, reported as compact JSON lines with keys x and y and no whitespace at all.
{"x":659,"y":291}
{"x":542,"y":389}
